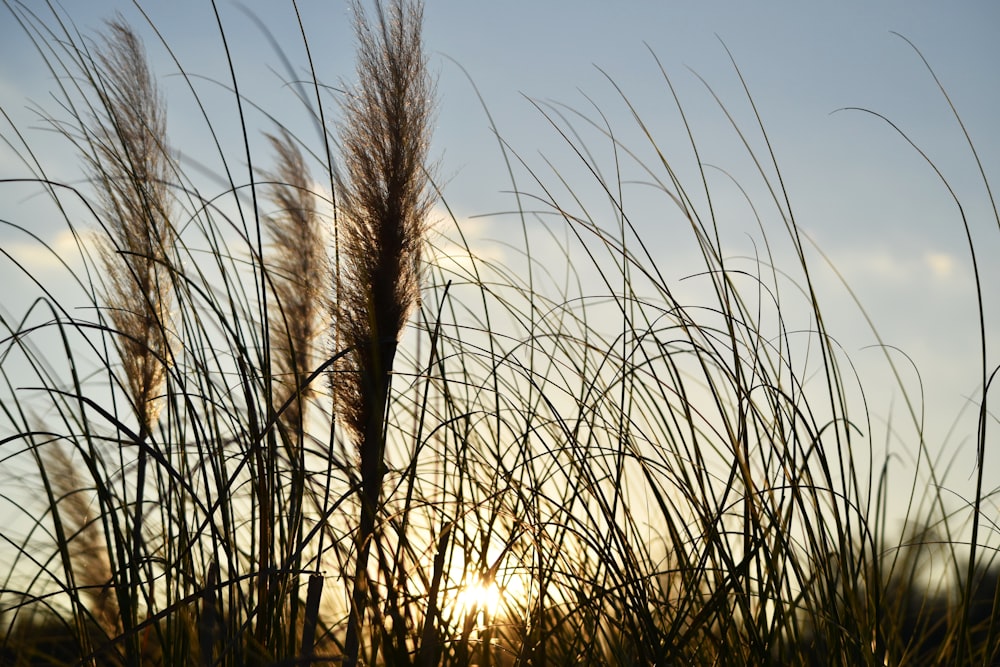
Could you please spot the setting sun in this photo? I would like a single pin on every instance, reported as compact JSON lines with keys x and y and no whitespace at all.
{"x":478,"y":596}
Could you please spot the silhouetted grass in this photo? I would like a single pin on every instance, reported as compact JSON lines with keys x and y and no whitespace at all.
{"x":274,"y":425}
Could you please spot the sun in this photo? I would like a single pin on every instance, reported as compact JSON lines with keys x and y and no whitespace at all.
{"x":479,"y":596}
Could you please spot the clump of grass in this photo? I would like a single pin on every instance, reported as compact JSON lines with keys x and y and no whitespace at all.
{"x":644,"y":477}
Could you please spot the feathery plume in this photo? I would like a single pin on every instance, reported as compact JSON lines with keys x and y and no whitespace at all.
{"x":383,"y":203}
{"x":88,"y":547}
{"x":300,"y":269}
{"x":130,"y":166}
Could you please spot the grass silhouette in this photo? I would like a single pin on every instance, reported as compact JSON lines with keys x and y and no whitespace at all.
{"x":288,"y":424}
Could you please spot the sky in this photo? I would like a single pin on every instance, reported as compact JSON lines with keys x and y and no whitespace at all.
{"x":869,"y":200}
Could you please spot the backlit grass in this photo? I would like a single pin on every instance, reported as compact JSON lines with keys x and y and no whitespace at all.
{"x":280,"y":413}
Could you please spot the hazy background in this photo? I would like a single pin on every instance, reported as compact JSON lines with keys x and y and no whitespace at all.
{"x":869,"y":200}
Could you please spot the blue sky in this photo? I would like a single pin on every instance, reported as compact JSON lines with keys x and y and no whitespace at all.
{"x":873,"y":205}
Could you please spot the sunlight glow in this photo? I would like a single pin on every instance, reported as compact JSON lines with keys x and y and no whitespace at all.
{"x":479,"y":596}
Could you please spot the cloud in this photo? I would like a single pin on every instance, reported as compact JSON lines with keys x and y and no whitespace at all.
{"x":941,"y":264}
{"x":447,"y":250}
{"x":899,"y":269}
{"x":35,"y":257}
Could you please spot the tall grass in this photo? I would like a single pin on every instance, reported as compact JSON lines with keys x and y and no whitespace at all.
{"x":284,"y":422}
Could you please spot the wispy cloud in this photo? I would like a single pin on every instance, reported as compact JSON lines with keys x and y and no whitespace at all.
{"x":941,"y":264}
{"x":50,"y":254}
{"x":459,"y":242}
{"x":903,"y":268}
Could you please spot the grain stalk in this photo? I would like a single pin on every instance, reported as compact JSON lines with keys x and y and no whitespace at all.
{"x":124,"y":150}
{"x":382,"y":217}
{"x":298,"y":273}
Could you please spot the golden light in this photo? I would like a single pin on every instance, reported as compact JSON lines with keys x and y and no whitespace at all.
{"x":479,"y":596}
